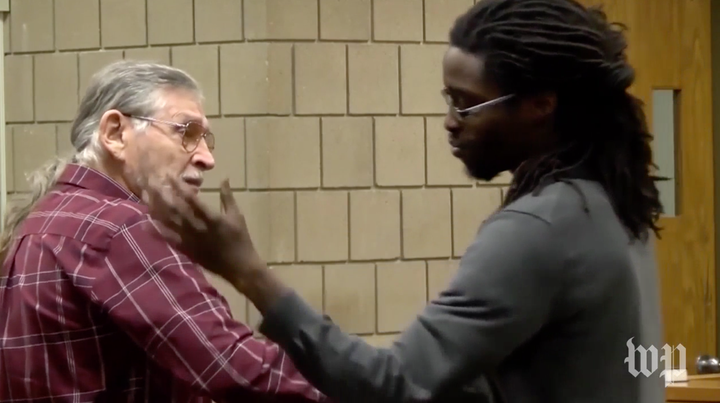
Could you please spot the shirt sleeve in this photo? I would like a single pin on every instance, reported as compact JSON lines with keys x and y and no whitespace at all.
{"x":501,"y":296}
{"x":166,"y":305}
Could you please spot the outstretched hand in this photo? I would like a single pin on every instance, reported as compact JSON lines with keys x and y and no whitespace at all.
{"x":218,"y":241}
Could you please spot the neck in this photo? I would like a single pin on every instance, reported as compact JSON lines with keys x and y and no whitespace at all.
{"x":114,"y":172}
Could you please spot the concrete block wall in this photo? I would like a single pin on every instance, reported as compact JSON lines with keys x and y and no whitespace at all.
{"x":328,"y":119}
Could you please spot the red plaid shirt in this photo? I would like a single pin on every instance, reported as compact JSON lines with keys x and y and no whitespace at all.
{"x":95,"y":309}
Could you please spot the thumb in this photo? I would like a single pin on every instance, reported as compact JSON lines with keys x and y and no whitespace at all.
{"x":227,"y":200}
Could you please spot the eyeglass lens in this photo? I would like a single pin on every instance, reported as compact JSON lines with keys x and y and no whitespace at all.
{"x":194,"y":133}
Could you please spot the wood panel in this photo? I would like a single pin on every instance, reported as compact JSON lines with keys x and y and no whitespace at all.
{"x":669,"y":45}
{"x":698,"y":388}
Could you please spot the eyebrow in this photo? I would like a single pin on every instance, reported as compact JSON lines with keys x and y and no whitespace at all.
{"x":187,"y":117}
{"x":466,"y":93}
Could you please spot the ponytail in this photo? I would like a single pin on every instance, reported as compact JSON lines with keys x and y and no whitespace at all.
{"x":41,"y":181}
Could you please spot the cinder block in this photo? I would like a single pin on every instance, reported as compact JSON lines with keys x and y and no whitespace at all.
{"x":344,"y":20}
{"x":374,"y":224}
{"x":115,"y":18}
{"x":156,"y":55}
{"x":201,"y":62}
{"x":256,"y":79}
{"x":281,"y":19}
{"x":322,"y":226}
{"x":19,"y":88}
{"x":218,"y":21}
{"x":398,"y":20}
{"x":350,"y":296}
{"x":347,"y":152}
{"x":283,"y":153}
{"x":77,"y":24}
{"x":56,"y":100}
{"x":399,"y":151}
{"x":320,"y":79}
{"x":170,"y":22}
{"x":440,"y":17}
{"x":270,"y":218}
{"x":421,"y":79}
{"x":426,"y":223}
{"x":31,"y":26}
{"x":373,"y":79}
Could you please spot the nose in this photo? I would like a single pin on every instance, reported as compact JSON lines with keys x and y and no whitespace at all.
{"x":452,"y":124}
{"x":202,"y":157}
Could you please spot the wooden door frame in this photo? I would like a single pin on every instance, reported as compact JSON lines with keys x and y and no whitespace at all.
{"x":715,"y":62}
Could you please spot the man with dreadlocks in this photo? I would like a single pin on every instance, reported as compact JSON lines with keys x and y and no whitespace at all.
{"x":558,"y":282}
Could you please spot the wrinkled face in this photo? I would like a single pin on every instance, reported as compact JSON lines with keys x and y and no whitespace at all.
{"x":162,"y":149}
{"x":497,"y":137}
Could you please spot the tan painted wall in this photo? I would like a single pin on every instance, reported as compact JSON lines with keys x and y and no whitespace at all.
{"x":328,"y":117}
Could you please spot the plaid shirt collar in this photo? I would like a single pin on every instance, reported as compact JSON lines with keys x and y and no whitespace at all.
{"x":92,"y":179}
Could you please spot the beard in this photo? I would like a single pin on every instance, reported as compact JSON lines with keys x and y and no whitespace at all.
{"x":479,"y":169}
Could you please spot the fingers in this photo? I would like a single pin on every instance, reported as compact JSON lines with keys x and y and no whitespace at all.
{"x":227,"y":200}
{"x":191,"y":214}
{"x":197,"y":207}
{"x":159,"y":202}
{"x":167,"y":205}
{"x":171,"y":237}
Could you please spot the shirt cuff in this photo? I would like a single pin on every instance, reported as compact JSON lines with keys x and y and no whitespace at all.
{"x":285,"y":319}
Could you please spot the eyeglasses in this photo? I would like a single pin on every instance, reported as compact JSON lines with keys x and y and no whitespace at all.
{"x":192,"y":132}
{"x":463,"y":113}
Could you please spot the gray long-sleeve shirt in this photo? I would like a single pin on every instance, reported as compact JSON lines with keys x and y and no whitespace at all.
{"x":545,"y":299}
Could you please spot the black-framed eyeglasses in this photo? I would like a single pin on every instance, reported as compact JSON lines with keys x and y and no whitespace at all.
{"x":465,"y":112}
{"x":192,"y":132}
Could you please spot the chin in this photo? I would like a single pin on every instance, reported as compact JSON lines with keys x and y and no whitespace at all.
{"x":481,"y":173}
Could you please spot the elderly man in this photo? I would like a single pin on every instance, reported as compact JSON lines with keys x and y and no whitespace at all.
{"x":92,"y":306}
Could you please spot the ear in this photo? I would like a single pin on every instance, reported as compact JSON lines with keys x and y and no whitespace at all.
{"x":542,"y":105}
{"x":113,"y":133}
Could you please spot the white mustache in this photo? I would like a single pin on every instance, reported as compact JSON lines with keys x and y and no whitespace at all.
{"x":195,"y":176}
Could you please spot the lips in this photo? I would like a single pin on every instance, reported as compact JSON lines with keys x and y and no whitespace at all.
{"x":456,"y":151}
{"x":195,"y":182}
{"x":455,"y":147}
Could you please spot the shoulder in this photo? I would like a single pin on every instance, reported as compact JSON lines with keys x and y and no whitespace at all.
{"x":583,"y":232}
{"x":88,"y":217}
{"x":510,"y":244}
{"x":569,"y":207}
{"x":564,"y":222}
{"x":513,"y":234}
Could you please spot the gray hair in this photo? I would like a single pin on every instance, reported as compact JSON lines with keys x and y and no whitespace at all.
{"x":132,"y":87}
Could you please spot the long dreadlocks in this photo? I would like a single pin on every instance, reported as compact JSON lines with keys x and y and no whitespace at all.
{"x":559,"y":45}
